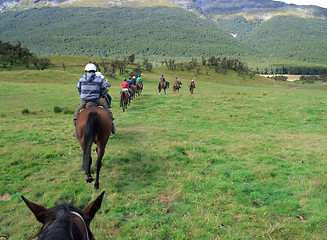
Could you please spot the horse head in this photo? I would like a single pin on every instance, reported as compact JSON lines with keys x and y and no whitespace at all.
{"x":65,"y":221}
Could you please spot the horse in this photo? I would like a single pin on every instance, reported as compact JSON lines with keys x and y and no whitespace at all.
{"x":93,"y":124}
{"x":134,"y":88}
{"x":124,"y":99}
{"x":65,"y":221}
{"x":104,"y":99}
{"x":132,"y":93}
{"x":176,"y":86}
{"x":139,"y":88}
{"x":192,"y":86}
{"x":161,"y":86}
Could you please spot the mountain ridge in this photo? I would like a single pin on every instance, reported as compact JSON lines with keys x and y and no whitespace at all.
{"x":207,"y":8}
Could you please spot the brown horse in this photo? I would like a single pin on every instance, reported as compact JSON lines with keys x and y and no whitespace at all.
{"x":176,"y":86}
{"x":192,"y":86}
{"x":134,"y":88}
{"x":161,"y":86}
{"x":65,"y":221}
{"x":93,"y":125}
{"x":124,"y":100}
{"x":139,"y":88}
{"x":105,"y":101}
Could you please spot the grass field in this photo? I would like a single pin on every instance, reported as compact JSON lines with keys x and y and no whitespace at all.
{"x":241,"y":158}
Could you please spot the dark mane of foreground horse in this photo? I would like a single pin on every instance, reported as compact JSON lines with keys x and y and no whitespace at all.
{"x":65,"y":222}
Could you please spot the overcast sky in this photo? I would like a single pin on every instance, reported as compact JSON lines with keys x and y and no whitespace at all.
{"x":320,"y":3}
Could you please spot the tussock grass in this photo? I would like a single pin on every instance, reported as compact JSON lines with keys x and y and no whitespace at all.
{"x":240,"y":158}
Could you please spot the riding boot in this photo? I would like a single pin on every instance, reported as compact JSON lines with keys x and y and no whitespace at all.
{"x":112,"y":120}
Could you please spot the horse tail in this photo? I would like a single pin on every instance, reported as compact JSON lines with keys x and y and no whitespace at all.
{"x":90,"y":131}
{"x":121,"y":98}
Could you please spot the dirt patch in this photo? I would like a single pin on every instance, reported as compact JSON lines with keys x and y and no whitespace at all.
{"x":5,"y":197}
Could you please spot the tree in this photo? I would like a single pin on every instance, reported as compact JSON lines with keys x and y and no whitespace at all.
{"x":131,"y":58}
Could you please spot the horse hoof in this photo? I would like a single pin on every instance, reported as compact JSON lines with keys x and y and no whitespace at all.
{"x":96,"y":186}
{"x":89,"y":179}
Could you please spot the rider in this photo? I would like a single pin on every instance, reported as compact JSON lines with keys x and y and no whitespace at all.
{"x":129,"y":81}
{"x":192,"y":82}
{"x":125,"y":87}
{"x":91,"y":87}
{"x":134,"y":80}
{"x":162,"y":79}
{"x":139,"y":80}
{"x":178,"y":83}
{"x":107,"y":85}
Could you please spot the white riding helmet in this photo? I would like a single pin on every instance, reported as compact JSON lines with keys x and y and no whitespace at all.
{"x":90,"y":67}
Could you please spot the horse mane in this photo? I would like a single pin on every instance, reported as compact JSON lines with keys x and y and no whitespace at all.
{"x":63,"y":226}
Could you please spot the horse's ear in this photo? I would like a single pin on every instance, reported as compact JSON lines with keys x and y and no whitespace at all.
{"x":39,"y":211}
{"x":93,"y":207}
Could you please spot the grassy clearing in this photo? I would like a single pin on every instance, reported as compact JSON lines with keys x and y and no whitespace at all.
{"x":240,"y":158}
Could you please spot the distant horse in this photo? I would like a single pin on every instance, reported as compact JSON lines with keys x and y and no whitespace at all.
{"x":65,"y":221}
{"x":176,"y":86}
{"x":161,"y":86}
{"x":192,"y":86}
{"x":139,"y":88}
{"x":124,"y":99}
{"x":132,"y":93}
{"x":93,"y":124}
{"x":134,"y":88}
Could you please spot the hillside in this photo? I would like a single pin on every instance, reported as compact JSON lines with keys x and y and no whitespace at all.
{"x":118,"y":32}
{"x":291,"y":37}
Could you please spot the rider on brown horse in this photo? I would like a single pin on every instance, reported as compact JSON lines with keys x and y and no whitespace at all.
{"x":178,"y":83}
{"x":192,"y":83}
{"x":91,"y":87}
{"x":162,"y":79}
{"x":107,"y":84}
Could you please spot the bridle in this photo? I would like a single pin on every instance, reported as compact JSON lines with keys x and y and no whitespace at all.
{"x":80,"y":217}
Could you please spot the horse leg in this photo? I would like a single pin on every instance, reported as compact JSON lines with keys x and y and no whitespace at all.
{"x":98,"y":166}
{"x":89,"y":177}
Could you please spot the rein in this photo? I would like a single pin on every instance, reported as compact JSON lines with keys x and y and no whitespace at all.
{"x":80,"y":217}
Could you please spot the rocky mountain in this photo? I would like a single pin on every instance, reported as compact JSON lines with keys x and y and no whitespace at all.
{"x":208,"y":8}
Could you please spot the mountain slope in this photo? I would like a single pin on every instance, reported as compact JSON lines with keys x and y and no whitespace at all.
{"x":117,"y":32}
{"x":291,"y":37}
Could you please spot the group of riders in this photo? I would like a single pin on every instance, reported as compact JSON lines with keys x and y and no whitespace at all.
{"x":92,"y":87}
{"x":177,"y":82}
{"x":132,"y":85}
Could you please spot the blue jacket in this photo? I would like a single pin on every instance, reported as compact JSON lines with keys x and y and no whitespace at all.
{"x":90,"y":87}
{"x":129,"y":83}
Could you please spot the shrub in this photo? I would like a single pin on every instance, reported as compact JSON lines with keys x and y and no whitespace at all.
{"x":25,"y":111}
{"x":57,"y":109}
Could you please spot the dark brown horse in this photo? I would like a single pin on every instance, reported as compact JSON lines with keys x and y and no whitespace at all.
{"x":176,"y":86}
{"x":161,"y":86}
{"x":93,"y":125}
{"x":134,"y":88}
{"x":124,"y":100}
{"x":65,"y":221}
{"x":192,"y":86}
{"x":139,"y":88}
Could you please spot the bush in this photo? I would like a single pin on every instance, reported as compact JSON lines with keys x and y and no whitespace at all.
{"x":25,"y":111}
{"x":57,"y":109}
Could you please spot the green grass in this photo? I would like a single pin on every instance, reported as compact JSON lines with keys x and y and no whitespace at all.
{"x":241,"y":158}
